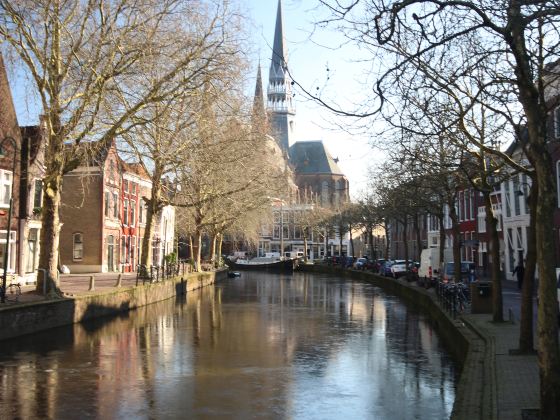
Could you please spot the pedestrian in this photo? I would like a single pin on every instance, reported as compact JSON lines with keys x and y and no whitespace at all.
{"x":520,"y":271}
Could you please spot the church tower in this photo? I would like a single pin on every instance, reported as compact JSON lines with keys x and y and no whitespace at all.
{"x":279,"y":93}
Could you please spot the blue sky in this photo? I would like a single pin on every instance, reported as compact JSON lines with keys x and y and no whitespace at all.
{"x":308,"y":57}
{"x":308,"y":60}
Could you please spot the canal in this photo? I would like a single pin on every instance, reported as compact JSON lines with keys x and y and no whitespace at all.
{"x":306,"y":346}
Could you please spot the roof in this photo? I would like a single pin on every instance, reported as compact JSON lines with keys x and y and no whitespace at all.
{"x":135,"y":168}
{"x":312,"y":157}
{"x":279,"y":55}
{"x":8,"y":120}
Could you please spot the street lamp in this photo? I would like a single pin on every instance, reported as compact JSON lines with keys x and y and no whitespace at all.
{"x":7,"y":249}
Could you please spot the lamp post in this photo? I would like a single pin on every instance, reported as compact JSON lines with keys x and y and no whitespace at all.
{"x":7,"y":248}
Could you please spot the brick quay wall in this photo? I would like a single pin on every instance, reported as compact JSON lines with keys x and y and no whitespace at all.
{"x":30,"y":317}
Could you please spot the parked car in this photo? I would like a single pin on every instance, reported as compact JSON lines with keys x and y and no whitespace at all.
{"x":385,"y":269}
{"x":398,"y":268}
{"x":361,"y":264}
{"x":448,"y":271}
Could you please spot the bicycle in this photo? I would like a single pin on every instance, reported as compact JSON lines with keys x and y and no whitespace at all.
{"x":12,"y":293}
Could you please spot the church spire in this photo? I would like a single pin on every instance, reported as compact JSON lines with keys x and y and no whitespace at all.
{"x":279,"y":57}
{"x":279,"y":92}
{"x":258,"y":100}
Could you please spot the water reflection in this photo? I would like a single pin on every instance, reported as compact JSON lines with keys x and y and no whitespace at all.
{"x":264,"y":346}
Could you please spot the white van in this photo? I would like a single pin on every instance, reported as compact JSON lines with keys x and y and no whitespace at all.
{"x":429,"y":263}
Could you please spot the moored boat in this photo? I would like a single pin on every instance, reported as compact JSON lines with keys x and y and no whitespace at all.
{"x":285,"y":265}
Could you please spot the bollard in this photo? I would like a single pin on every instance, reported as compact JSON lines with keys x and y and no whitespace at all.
{"x":91,"y":283}
{"x":119,"y":281}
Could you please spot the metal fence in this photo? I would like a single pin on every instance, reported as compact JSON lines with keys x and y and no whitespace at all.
{"x":155,"y":273}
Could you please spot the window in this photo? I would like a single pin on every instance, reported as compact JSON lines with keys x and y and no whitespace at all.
{"x":132,"y":249}
{"x":276,"y":233}
{"x":123,"y":249}
{"x":125,"y":212}
{"x":38,"y":194}
{"x":141,"y":206}
{"x":6,"y":188}
{"x":482,"y":219}
{"x":78,"y":248}
{"x":32,"y":254}
{"x":276,"y":217}
{"x":286,"y":232}
{"x":132,"y":212}
{"x":12,"y":250}
{"x":516,"y":196}
{"x":115,"y":205}
{"x":107,"y":203}
{"x":128,"y":247}
{"x":133,"y":188}
{"x":297,"y":232}
{"x":125,"y":186}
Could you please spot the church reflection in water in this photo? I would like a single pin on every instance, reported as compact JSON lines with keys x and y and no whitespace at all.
{"x":301,"y":346}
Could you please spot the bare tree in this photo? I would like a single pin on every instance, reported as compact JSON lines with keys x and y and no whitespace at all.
{"x":87,"y":61}
{"x":515,"y":46}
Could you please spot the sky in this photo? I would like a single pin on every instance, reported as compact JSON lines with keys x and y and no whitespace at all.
{"x":308,"y":60}
{"x":309,"y":57}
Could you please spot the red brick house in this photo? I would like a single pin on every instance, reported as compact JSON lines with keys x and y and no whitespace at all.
{"x":91,"y":214}
{"x":136,"y":185}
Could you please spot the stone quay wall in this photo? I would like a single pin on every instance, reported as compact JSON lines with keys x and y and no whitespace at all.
{"x":31,"y":317}
{"x":476,"y":394}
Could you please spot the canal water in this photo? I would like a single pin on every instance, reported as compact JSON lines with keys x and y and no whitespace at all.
{"x":306,"y":346}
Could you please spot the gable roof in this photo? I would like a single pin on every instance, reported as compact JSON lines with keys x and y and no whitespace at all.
{"x":312,"y":157}
{"x":8,"y":120}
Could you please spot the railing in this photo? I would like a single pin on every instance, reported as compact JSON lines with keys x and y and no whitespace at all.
{"x":156,"y":273}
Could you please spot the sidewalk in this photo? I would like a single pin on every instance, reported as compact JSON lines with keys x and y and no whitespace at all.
{"x":516,"y":376}
{"x":78,"y":284}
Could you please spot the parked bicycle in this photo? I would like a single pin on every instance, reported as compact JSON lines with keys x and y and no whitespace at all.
{"x":12,"y":293}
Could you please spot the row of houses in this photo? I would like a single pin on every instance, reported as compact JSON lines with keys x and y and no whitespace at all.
{"x":511,"y":208}
{"x":103,"y":212}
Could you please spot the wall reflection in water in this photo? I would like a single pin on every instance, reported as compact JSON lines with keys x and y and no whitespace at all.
{"x":301,"y":346}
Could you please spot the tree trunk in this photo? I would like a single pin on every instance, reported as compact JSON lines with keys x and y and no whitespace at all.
{"x":372,"y":252}
{"x":152,"y":209}
{"x":50,"y":235}
{"x":387,"y":242}
{"x":219,"y":252}
{"x":351,"y":242}
{"x":441,"y":218}
{"x":418,"y":237}
{"x":549,"y":356}
{"x":213,"y":249}
{"x":456,"y":243}
{"x":198,"y":244}
{"x":191,"y":248}
{"x":405,"y":241}
{"x":304,"y":244}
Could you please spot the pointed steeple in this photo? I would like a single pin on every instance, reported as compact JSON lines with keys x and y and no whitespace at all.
{"x":258,"y":100}
{"x":279,"y":92}
{"x":279,"y":55}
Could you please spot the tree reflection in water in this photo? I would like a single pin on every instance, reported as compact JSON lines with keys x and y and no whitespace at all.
{"x":263,"y":345}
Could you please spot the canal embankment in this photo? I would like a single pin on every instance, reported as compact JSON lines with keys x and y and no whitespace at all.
{"x":473,"y":350}
{"x":31,"y":316}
